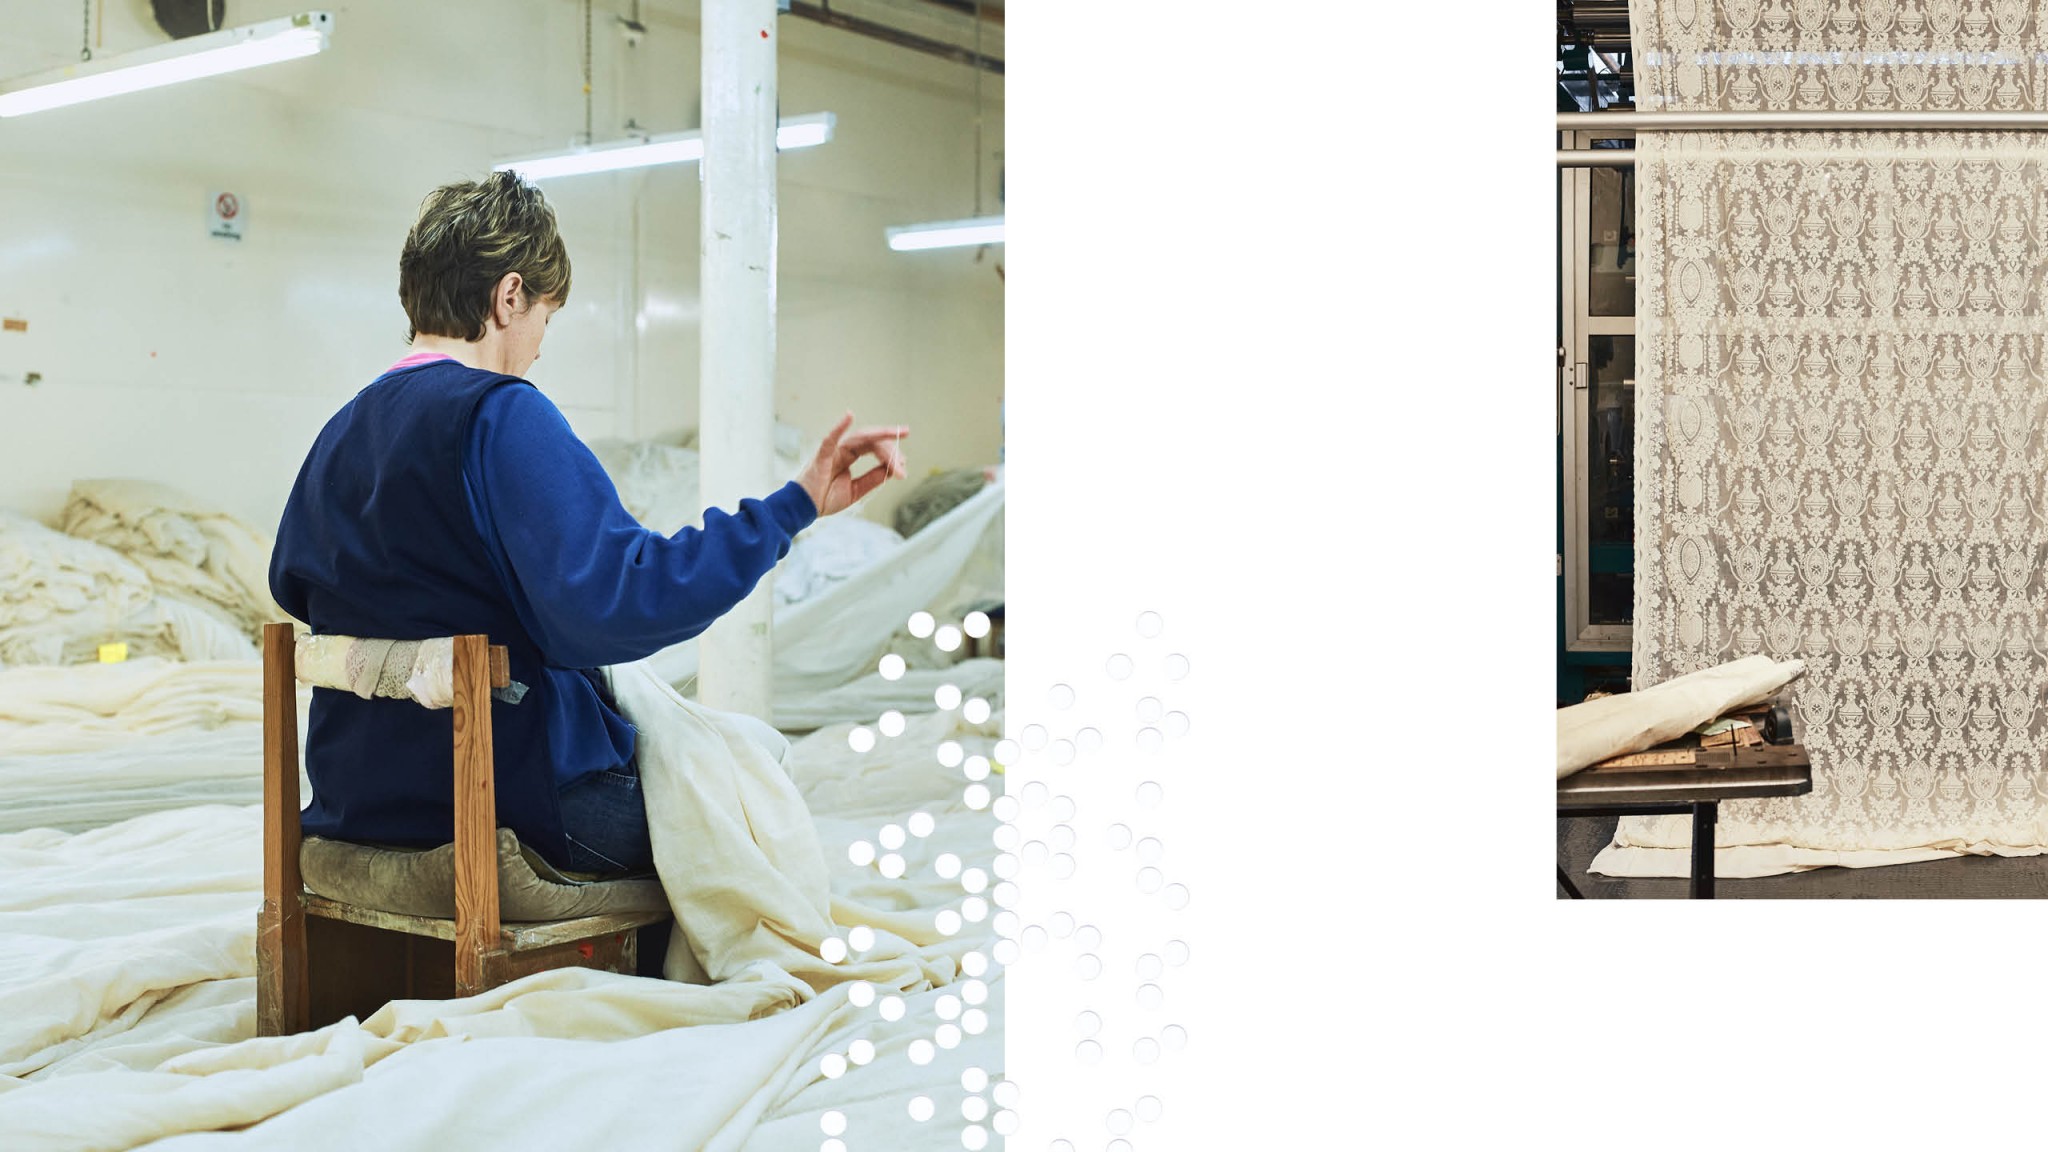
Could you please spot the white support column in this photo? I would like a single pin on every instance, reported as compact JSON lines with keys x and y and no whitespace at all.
{"x":736,"y":385}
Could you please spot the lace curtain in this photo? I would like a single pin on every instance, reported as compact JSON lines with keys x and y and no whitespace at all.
{"x":1842,"y":365}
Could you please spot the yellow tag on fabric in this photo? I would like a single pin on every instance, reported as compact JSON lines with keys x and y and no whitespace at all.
{"x":113,"y":653}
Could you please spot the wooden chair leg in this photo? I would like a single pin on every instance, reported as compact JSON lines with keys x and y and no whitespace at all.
{"x":476,"y":822}
{"x":281,"y":991}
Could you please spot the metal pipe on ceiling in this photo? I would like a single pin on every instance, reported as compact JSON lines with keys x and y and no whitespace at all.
{"x":823,"y":14}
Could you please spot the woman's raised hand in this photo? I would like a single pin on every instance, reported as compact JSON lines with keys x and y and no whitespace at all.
{"x":829,"y":476}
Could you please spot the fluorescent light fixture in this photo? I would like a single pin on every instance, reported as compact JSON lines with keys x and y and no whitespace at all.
{"x":947,"y":234}
{"x":194,"y":57}
{"x":675,"y":148}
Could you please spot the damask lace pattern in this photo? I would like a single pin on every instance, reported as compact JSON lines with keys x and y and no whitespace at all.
{"x":1842,"y":365}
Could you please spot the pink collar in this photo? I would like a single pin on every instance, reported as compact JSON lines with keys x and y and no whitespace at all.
{"x":417,"y":359}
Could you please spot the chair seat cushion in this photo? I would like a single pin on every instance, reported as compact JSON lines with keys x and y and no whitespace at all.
{"x":421,"y":882}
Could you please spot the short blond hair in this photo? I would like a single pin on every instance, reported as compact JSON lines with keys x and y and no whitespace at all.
{"x":468,"y":236}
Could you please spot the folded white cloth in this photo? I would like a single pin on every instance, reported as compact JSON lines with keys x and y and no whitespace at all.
{"x":1614,"y":725}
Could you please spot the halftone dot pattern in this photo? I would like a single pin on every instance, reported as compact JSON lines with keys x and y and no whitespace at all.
{"x":892,"y":667}
{"x":975,"y":625}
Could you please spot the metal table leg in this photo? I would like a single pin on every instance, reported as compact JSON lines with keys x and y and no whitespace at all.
{"x":1704,"y":817}
{"x":1570,"y":889}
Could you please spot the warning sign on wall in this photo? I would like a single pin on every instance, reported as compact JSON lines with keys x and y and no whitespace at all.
{"x":225,"y":215}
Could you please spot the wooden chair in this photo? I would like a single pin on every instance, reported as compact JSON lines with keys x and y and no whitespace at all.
{"x":319,"y":960}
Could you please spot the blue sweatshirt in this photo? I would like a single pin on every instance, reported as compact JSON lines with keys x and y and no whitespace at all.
{"x":445,"y":500}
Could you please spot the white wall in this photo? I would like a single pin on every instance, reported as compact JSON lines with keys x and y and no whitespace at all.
{"x":211,"y":364}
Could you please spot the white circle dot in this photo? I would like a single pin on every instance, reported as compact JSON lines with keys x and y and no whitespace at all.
{"x":1033,"y":938}
{"x":1005,"y":952}
{"x":1176,"y":896}
{"x":1176,"y":952}
{"x":892,"y":836}
{"x":974,"y":991}
{"x":1005,"y":865}
{"x":948,"y":1007}
{"x":975,"y":711}
{"x":1087,"y":1023}
{"x":1060,"y":1146}
{"x":1063,"y":808}
{"x":921,"y":824}
{"x":861,"y":853}
{"x":1149,"y":710}
{"x":1149,"y":624}
{"x":1149,"y":740}
{"x":1149,"y":850}
{"x":974,"y":1021}
{"x":1034,"y":853}
{"x":1176,"y":723}
{"x":1117,"y":1146}
{"x":1062,"y":924}
{"x":1119,"y":667}
{"x":973,"y":1079}
{"x":974,"y":909}
{"x":861,"y":937}
{"x":892,"y":866}
{"x":1176,"y":666}
{"x":891,"y":723}
{"x":921,"y":1108}
{"x":1088,"y":966}
{"x":1089,"y":1052}
{"x":1088,"y":938}
{"x":833,"y":949}
{"x":948,"y":638}
{"x":1008,"y":924}
{"x":1005,"y":895}
{"x":832,"y":1144}
{"x":1033,"y":736}
{"x":1146,"y":1050}
{"x":1005,"y":1122}
{"x":1174,"y":1036}
{"x":860,"y":740}
{"x":976,"y":768}
{"x":832,"y":1123}
{"x":892,"y":1008}
{"x":1150,"y":997}
{"x":947,"y":922}
{"x":947,"y":865}
{"x":947,"y":697}
{"x":973,"y":880}
{"x":1062,"y":866}
{"x":1035,"y":794}
{"x":950,"y":754}
{"x":860,"y":1051}
{"x":974,"y":1138}
{"x":861,"y":994}
{"x":1062,"y":752}
{"x":1118,"y":1122}
{"x":1149,"y":967}
{"x":974,"y":964}
{"x":975,"y":797}
{"x":974,"y":1108}
{"x":833,"y":1066}
{"x":1061,"y":696}
{"x":976,"y":624}
{"x":1149,"y":879}
{"x":1148,"y":1108}
{"x":921,"y":1052}
{"x":921,"y":624}
{"x":1088,"y":739}
{"x":1150,"y":794}
{"x":892,"y":667}
{"x":948,"y":1036}
{"x":1006,"y":837}
{"x":1061,"y":837}
{"x":1006,"y":752}
{"x":1119,"y":836}
{"x":1006,"y":808}
{"x":1005,"y":1093}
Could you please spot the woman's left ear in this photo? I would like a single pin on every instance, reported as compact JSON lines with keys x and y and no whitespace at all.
{"x":510,"y":286}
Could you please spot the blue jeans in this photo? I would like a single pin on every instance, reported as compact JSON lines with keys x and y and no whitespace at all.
{"x":605,"y":818}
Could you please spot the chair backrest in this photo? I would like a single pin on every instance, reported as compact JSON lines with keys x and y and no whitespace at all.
{"x":478,"y":667}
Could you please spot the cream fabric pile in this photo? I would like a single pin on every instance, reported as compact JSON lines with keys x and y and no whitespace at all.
{"x":127,"y":955}
{"x":1597,"y":729}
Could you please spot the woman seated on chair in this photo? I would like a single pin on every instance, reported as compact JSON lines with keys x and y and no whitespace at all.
{"x":451,"y":497}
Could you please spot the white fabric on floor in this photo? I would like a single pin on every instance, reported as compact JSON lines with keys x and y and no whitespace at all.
{"x":125,"y":990}
{"x":191,"y":550}
{"x":1597,"y":729}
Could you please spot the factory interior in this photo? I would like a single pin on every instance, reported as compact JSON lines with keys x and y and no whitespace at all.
{"x":778,"y":216}
{"x":1799,"y":386}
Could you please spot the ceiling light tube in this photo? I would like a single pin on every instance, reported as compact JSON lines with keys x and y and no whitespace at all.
{"x":947,"y":234}
{"x":194,"y":57}
{"x":793,"y":132}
